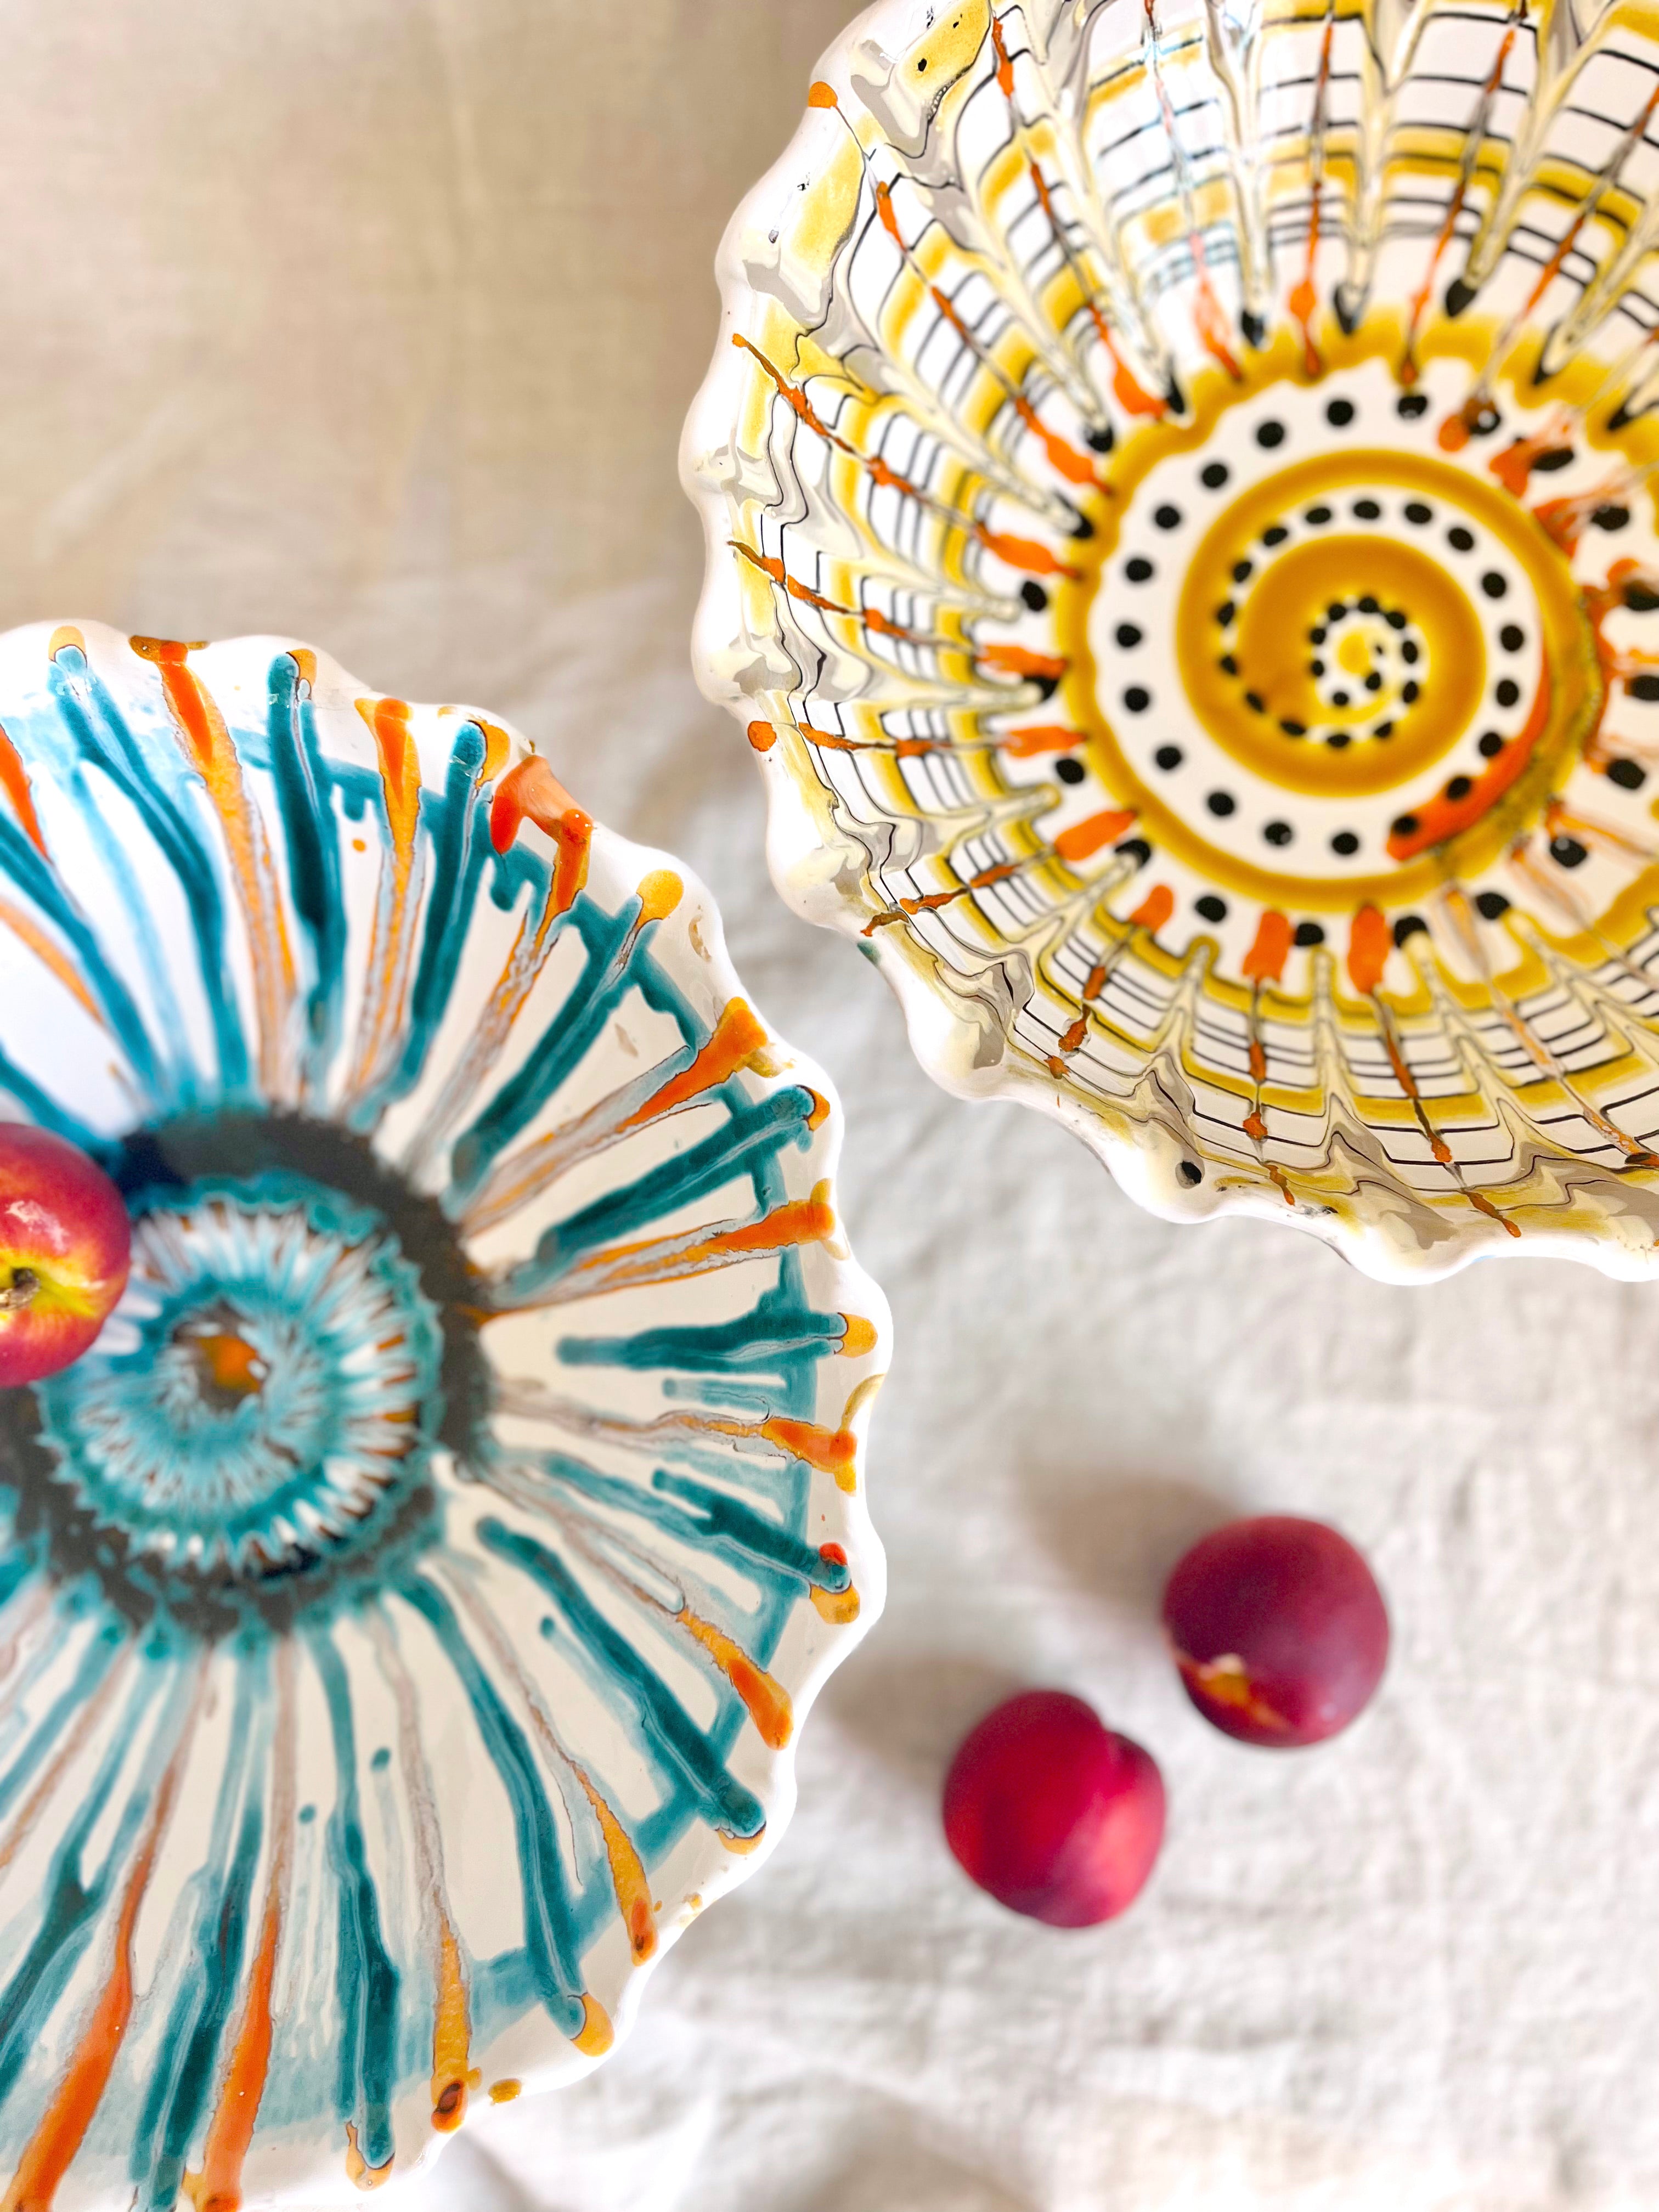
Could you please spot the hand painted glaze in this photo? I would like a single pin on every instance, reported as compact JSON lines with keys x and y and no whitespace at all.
{"x":406,"y":1607}
{"x":1178,"y":482}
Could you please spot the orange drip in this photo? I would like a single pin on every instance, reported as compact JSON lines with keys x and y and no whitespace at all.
{"x":1021,"y":660}
{"x":761,"y":736}
{"x":832,"y":1451}
{"x":1370,"y":943}
{"x":13,"y":781}
{"x":1155,"y":908}
{"x":451,"y":2034}
{"x":767,"y":1700}
{"x":1085,"y":838}
{"x":626,"y":1877}
{"x":1039,"y":737}
{"x":736,"y":1038}
{"x":1269,"y":950}
{"x":532,"y":791}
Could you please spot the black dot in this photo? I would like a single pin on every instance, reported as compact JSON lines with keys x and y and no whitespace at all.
{"x":1339,"y":741}
{"x":1408,"y":653}
{"x":1344,"y":843}
{"x":1292,"y":729}
{"x":1417,"y":512}
{"x":1336,"y":610}
{"x":1641,"y":599}
{"x":1409,"y":926}
{"x":1567,"y":853}
{"x":1228,"y":664}
{"x":1461,"y":539}
{"x":1168,"y":756}
{"x":1221,"y":802}
{"x":1070,"y":771}
{"x":1224,"y":612}
{"x":1309,"y":933}
{"x":1317,"y":634}
{"x":1034,"y":596}
{"x":1383,"y":730}
{"x":1643,"y":687}
{"x":1558,"y":457}
{"x":1408,"y":692}
{"x":1368,"y":605}
{"x":1338,"y":698}
{"x":1134,"y":849}
{"x":1254,"y":702}
{"x":1138,"y":569}
{"x":1278,"y":832}
{"x":1373,"y":682}
{"x":1137,"y":699}
{"x":1190,"y":1172}
{"x":1459,"y":786}
{"x":1506,"y":691}
{"x":1491,"y":745}
{"x":1270,"y":434}
{"x":1412,"y":405}
{"x":1275,"y":534}
{"x":1241,"y":570}
{"x":1491,"y":905}
{"x":1403,"y":825}
{"x":1394,"y":619}
{"x":1101,"y":440}
{"x":1367,"y":509}
{"x":1317,"y":514}
{"x":1612,"y":516}
{"x":1511,"y":637}
{"x":1212,"y":475}
{"x":1316,"y":668}
{"x":1493,"y":585}
{"x":1628,"y":774}
{"x":1128,"y":636}
{"x":1211,"y":907}
{"x":1167,"y":517}
{"x":1339,"y":414}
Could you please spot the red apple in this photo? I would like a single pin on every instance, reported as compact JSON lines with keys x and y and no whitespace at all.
{"x":65,"y":1248}
{"x":1279,"y":1629}
{"x":1051,"y":1812}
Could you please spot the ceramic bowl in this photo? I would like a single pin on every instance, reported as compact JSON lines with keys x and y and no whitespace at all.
{"x":1180,"y":540}
{"x":407,"y":1608}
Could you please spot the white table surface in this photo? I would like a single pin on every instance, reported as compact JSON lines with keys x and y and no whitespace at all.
{"x":373,"y":322}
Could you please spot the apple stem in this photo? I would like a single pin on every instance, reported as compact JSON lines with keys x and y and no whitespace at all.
{"x":21,"y":1291}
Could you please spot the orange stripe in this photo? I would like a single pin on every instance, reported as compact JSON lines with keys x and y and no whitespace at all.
{"x":767,"y":1700}
{"x":736,"y":1038}
{"x":52,"y":2147}
{"x":14,"y":779}
{"x":211,"y":752}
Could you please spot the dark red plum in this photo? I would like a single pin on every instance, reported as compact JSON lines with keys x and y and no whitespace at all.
{"x":1052,"y":1812}
{"x":1279,"y":1629}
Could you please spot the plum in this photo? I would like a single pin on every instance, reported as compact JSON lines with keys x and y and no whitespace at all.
{"x":1055,"y":1814}
{"x":1279,"y":1630}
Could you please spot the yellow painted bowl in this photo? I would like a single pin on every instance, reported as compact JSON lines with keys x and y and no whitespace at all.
{"x":1176,"y":481}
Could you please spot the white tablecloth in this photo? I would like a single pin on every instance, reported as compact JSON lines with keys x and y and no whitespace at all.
{"x":374,"y":323}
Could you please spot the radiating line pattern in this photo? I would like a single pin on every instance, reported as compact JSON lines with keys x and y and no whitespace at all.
{"x":407,"y":1608}
{"x":1177,"y":482}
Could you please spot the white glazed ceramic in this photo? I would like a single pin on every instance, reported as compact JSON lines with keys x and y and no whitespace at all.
{"x":1181,"y":539}
{"x":407,"y":1609}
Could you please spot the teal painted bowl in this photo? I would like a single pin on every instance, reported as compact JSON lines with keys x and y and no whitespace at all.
{"x":407,"y":1607}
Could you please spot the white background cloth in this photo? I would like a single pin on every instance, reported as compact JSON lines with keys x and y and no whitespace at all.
{"x":373,"y":322}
